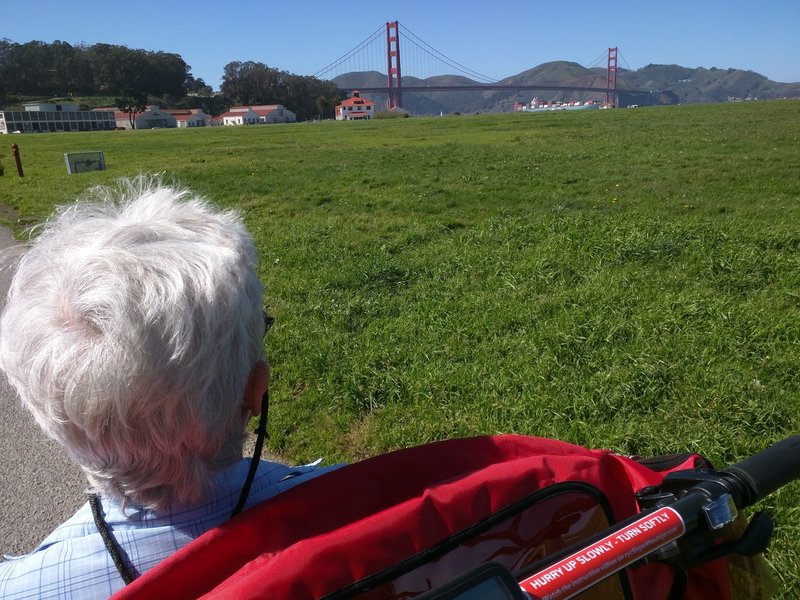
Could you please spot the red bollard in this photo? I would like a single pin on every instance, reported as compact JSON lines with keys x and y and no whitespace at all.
{"x":15,"y":153}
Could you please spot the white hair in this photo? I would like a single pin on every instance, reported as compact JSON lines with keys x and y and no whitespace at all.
{"x":132,"y":324}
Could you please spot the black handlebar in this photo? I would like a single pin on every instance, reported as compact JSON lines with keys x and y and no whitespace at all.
{"x":765,"y":472}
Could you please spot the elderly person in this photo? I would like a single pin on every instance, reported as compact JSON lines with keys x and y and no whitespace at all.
{"x":133,"y":332}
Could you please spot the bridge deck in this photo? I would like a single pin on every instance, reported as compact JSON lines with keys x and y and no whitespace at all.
{"x":486,"y":87}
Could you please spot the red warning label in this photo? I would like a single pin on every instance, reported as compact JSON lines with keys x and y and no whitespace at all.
{"x":581,"y":570}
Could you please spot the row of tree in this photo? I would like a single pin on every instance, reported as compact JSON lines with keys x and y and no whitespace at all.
{"x":60,"y":69}
{"x":256,"y":83}
{"x":136,"y":77}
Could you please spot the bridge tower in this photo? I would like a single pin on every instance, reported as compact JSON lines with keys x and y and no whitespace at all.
{"x":611,"y":78}
{"x":395,"y":99}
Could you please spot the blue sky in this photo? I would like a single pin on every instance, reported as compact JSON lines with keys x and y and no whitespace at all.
{"x":498,"y":39}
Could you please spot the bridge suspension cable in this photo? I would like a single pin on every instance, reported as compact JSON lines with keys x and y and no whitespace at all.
{"x":360,"y":58}
{"x":627,"y":66}
{"x":599,"y":61}
{"x":409,"y":36}
{"x":349,"y":55}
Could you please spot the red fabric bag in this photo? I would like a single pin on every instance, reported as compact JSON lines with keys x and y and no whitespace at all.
{"x":399,"y":524}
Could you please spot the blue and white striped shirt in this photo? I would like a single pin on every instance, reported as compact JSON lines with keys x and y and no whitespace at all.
{"x":73,"y":562}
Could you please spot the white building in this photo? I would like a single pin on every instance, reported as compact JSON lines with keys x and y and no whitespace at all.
{"x":46,"y":117}
{"x":355,"y":108}
{"x":184,"y":117}
{"x":240,"y":115}
{"x":193,"y":118}
{"x":274,"y":113}
{"x":253,"y":115}
{"x":154,"y":118}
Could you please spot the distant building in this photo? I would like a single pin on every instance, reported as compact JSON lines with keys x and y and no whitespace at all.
{"x":155,"y":118}
{"x":355,"y":108}
{"x":120,"y":117}
{"x":275,"y":113}
{"x":191,"y":118}
{"x":47,"y":117}
{"x":239,"y":115}
{"x":253,"y":115}
{"x":184,"y":117}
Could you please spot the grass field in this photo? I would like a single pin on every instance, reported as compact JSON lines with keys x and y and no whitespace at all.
{"x":625,"y":279}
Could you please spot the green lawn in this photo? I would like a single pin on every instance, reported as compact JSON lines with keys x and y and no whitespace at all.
{"x":627,"y":279}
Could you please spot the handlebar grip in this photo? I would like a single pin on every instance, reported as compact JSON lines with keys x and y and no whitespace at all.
{"x":765,"y":472}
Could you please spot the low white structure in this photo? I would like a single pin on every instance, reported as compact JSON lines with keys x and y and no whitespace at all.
{"x":240,"y":115}
{"x":253,"y":115}
{"x":184,"y":117}
{"x":355,"y":108}
{"x":154,"y":118}
{"x":275,"y":113}
{"x":194,"y":118}
{"x":47,"y":117}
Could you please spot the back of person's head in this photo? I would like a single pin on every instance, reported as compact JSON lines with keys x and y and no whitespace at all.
{"x":131,"y":327}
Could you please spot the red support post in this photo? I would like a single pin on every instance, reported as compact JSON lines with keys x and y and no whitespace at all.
{"x":395,"y":99}
{"x":15,"y":153}
{"x":611,"y":79}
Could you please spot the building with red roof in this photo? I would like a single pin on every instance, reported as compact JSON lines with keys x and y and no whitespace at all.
{"x":190,"y":118}
{"x":252,"y":115}
{"x":355,"y":108}
{"x":152,"y":117}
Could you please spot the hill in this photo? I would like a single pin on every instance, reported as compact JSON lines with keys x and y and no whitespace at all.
{"x":650,"y":85}
{"x":684,"y":85}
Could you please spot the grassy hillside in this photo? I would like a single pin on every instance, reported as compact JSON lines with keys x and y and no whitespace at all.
{"x":624,"y":279}
{"x":556,"y":73}
{"x":705,"y":85}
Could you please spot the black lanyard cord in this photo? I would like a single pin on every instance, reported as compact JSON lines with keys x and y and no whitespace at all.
{"x":261,"y":435}
{"x":108,"y":539}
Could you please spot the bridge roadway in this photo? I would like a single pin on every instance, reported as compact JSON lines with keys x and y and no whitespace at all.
{"x":480,"y":88}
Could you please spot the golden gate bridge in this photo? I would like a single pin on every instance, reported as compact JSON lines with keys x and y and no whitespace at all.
{"x":381,"y":50}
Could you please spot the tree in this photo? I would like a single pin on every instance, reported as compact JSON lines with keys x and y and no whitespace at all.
{"x":166,"y":73}
{"x":252,"y":83}
{"x":132,"y":103}
{"x":256,"y":83}
{"x":322,"y":106}
{"x":31,"y":68}
{"x":198,"y":86}
{"x":7,"y":48}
